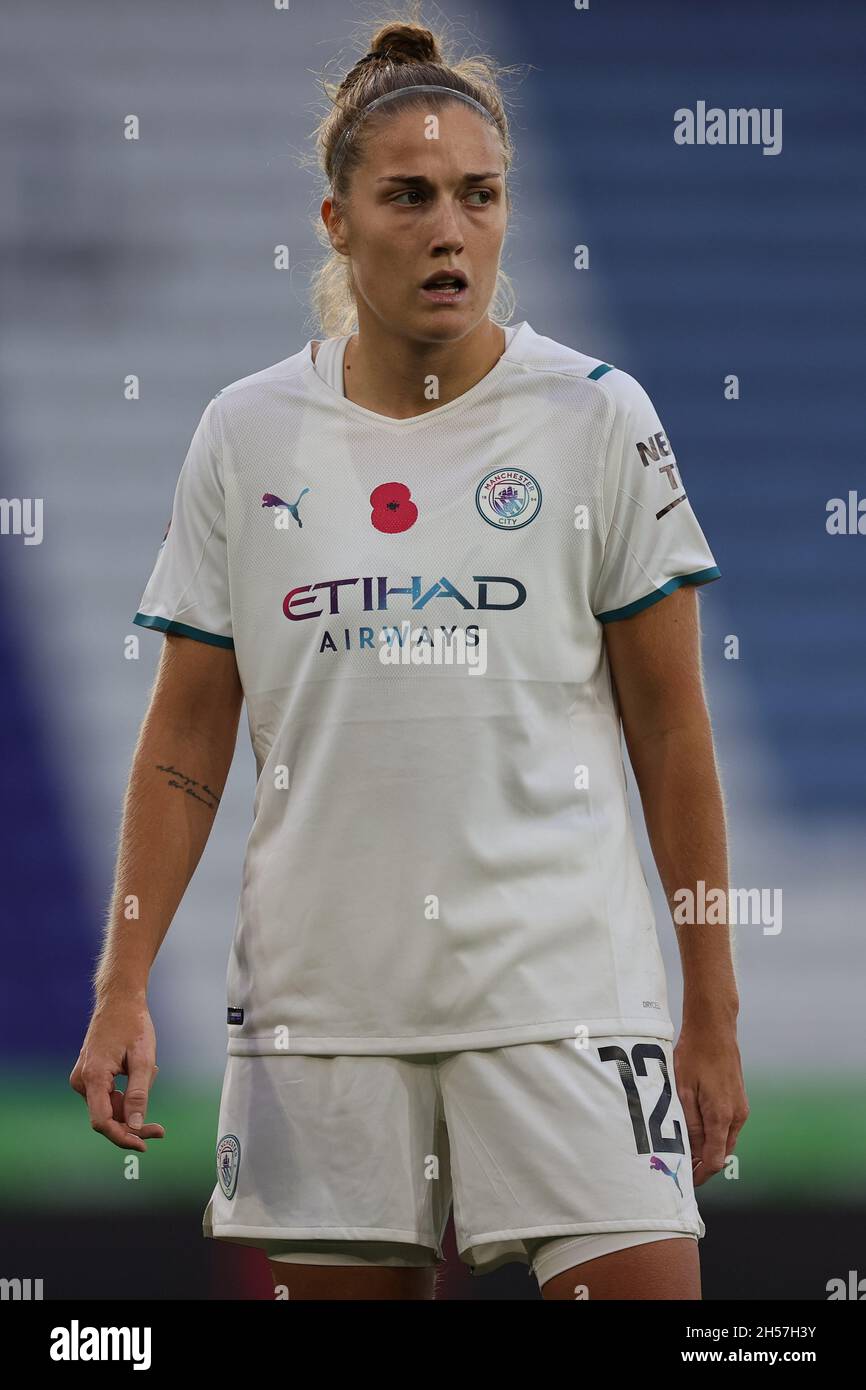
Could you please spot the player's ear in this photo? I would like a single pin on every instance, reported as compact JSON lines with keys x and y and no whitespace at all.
{"x":333,"y":220}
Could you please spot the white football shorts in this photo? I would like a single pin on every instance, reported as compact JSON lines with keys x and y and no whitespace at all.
{"x":553,"y":1153}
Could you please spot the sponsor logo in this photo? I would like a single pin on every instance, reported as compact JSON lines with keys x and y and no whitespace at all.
{"x":376,"y":594}
{"x":654,"y":448}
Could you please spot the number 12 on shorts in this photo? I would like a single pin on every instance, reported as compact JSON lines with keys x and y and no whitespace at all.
{"x":628,"y":1070}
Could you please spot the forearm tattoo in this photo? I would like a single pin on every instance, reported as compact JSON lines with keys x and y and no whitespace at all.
{"x":200,"y":790}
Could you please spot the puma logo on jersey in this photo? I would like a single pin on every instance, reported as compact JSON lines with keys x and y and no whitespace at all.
{"x":660,"y":1167}
{"x":269,"y":500}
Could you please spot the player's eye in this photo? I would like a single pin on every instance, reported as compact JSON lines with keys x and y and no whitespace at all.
{"x":486,"y":193}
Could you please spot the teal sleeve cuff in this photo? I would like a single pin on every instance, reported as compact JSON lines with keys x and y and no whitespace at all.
{"x":183,"y":630}
{"x":698,"y":577}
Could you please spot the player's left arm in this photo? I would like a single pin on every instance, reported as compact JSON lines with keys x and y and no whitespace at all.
{"x":655,"y":662}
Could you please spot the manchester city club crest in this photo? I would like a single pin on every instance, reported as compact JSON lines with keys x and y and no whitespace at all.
{"x":228,"y":1161}
{"x":508,"y":498}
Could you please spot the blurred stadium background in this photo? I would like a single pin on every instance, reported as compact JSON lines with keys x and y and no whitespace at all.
{"x":155,"y":257}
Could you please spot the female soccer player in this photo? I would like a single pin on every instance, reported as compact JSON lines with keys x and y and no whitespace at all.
{"x":430,"y":555}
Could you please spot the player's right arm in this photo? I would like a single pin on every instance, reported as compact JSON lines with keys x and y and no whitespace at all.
{"x":181,"y":762}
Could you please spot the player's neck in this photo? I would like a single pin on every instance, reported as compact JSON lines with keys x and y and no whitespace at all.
{"x":391,"y":376}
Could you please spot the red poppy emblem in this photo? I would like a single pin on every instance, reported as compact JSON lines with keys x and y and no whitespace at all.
{"x":393,"y":508}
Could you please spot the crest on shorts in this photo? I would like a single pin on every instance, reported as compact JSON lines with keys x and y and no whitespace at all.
{"x":228,"y":1161}
{"x":508,"y":498}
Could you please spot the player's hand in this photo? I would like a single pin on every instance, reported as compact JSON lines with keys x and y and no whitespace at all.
{"x":120,"y":1041}
{"x":709,"y":1080}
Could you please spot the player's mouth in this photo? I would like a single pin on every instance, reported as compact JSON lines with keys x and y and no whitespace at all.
{"x":445,"y":287}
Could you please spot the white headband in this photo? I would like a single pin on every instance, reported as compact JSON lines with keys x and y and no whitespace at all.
{"x":340,"y":146}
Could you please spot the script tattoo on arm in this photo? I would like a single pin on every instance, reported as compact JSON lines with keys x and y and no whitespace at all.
{"x":200,"y":790}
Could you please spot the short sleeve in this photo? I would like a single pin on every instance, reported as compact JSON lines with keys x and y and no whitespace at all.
{"x":188,"y":590}
{"x":653,"y":542}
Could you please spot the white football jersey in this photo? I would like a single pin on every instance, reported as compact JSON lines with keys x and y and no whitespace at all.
{"x":441,"y":855}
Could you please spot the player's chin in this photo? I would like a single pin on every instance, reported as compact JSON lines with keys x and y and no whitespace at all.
{"x":445,"y":321}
